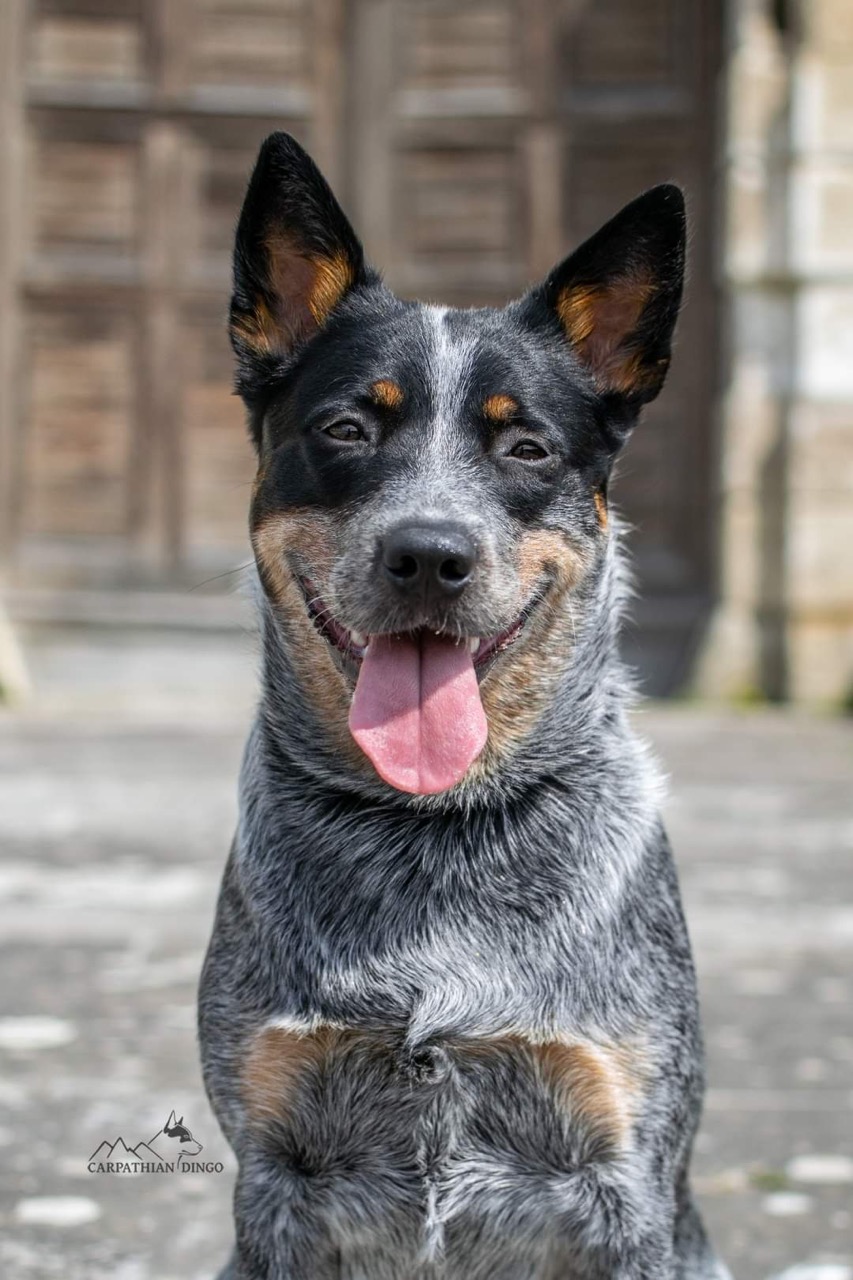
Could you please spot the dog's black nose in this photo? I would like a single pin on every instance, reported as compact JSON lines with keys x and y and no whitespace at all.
{"x":429,"y":560}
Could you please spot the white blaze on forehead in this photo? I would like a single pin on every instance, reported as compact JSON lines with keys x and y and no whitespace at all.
{"x":451,"y":362}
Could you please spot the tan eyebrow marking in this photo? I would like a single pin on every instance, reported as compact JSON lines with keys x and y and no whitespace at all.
{"x":387,"y":393}
{"x":500,"y":407}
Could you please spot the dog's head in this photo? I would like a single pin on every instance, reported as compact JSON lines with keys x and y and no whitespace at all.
{"x":431,"y":500}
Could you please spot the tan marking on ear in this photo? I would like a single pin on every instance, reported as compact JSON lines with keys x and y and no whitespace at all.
{"x":600,"y":508}
{"x":500,"y":407}
{"x":576,"y":310}
{"x":387,"y":394}
{"x":258,"y":330}
{"x":334,"y":277}
{"x":599,"y":321}
{"x":305,"y":288}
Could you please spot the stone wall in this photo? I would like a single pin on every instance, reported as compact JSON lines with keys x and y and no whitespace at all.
{"x":784,"y":626}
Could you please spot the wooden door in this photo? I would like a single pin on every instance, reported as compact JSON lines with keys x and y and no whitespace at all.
{"x":473,"y":142}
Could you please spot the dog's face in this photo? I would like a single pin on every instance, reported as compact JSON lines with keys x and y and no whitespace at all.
{"x":431,"y":499}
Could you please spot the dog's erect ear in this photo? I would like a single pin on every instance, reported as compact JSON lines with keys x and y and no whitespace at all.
{"x":295,"y":258}
{"x":617,"y":296}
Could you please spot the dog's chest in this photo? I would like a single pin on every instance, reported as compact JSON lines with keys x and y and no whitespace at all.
{"x":457,"y":1127}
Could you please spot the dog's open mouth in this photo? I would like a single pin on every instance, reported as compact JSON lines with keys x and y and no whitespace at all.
{"x":353,"y":644}
{"x":416,"y":711}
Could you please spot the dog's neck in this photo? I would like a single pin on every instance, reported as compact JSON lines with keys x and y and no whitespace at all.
{"x":579,"y":800}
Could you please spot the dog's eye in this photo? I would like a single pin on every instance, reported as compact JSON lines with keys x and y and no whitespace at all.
{"x":345,"y":431}
{"x":528,"y":451}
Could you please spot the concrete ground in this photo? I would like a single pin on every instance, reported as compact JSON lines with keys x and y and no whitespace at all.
{"x":117,"y":799}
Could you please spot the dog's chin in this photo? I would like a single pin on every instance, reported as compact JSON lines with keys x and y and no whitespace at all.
{"x":348,"y":647}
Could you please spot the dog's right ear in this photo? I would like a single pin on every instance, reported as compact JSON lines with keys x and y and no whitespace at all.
{"x":295,"y":259}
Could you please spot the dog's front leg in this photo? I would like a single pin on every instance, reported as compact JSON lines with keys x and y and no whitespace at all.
{"x":651,"y":1266}
{"x":280,"y":1235}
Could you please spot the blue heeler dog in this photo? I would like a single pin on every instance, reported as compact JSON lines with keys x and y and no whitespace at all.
{"x":448,"y":1015}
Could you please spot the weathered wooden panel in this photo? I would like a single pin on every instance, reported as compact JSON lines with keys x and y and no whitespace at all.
{"x":627,"y":43}
{"x":84,"y":192}
{"x":79,"y":388}
{"x":458,"y":202}
{"x":251,"y":42}
{"x":79,"y":46}
{"x":218,"y":463}
{"x":446,"y":44}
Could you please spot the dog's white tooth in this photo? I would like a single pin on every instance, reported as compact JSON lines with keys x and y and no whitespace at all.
{"x":474,"y":644}
{"x":359,"y":639}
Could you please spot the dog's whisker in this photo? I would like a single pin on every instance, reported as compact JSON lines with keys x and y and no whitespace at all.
{"x":217,"y":577}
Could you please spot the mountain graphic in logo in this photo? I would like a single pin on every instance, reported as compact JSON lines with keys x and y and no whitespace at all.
{"x":170,"y":1146}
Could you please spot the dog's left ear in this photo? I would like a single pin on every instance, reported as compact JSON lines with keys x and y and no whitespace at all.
{"x":296,"y":257}
{"x":617,"y":297}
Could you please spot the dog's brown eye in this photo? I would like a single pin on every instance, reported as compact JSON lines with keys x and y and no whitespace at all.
{"x":346,"y":431}
{"x":527,"y":451}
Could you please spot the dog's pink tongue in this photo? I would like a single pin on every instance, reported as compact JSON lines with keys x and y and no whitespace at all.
{"x":417,"y":712}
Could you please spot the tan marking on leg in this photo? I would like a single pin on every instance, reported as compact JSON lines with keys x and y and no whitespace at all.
{"x":280,"y":1058}
{"x":500,"y":408}
{"x":599,"y":1083}
{"x":387,"y":394}
{"x":277,"y":1062}
{"x":602,"y":1084}
{"x":600,"y":508}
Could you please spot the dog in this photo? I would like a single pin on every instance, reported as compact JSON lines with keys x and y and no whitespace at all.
{"x":448,"y":1015}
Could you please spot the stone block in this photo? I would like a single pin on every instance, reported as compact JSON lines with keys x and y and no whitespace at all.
{"x":825,"y":342}
{"x":820,"y":661}
{"x":752,"y":422}
{"x":819,"y":564}
{"x":828,"y":26}
{"x":821,"y":449}
{"x":821,"y":236}
{"x":823,"y":104}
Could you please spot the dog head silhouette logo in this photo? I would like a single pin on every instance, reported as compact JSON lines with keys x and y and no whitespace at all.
{"x":178,"y":1132}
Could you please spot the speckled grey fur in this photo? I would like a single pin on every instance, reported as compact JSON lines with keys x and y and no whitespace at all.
{"x":542,"y":901}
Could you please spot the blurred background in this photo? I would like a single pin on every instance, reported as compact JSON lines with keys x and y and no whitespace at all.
{"x":473,"y":143}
